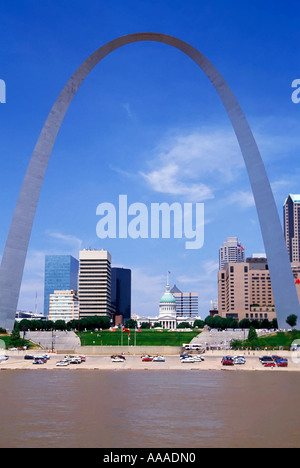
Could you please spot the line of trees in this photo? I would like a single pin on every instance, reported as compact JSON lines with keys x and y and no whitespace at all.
{"x":88,"y":323}
{"x":92,"y":323}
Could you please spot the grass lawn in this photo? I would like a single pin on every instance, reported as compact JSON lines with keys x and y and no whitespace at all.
{"x":9,"y":343}
{"x":275,"y":340}
{"x":142,"y":338}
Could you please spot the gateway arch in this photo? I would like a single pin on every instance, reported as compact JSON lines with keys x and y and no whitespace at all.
{"x":14,"y":255}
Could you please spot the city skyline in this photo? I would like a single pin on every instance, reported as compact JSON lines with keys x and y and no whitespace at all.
{"x":157,"y":162}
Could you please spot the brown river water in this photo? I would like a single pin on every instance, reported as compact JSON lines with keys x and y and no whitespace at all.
{"x":149,"y":409}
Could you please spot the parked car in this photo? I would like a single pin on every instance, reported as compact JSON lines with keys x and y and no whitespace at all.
{"x":147,"y":358}
{"x":198,"y":358}
{"x":184,"y":356}
{"x":188,"y":359}
{"x":266,"y":359}
{"x":38,"y":361}
{"x":280,"y":361}
{"x":41,"y":356}
{"x":62,"y":363}
{"x":120,"y":356}
{"x":269,"y":364}
{"x":227,"y":361}
{"x":75,"y":361}
{"x":239,"y":360}
{"x":158,"y":359}
{"x":116,"y":359}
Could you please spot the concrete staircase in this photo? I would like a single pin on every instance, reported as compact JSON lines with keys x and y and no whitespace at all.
{"x":61,"y":340}
{"x":219,"y":338}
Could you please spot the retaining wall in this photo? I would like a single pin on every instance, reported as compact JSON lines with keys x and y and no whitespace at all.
{"x":129,"y":350}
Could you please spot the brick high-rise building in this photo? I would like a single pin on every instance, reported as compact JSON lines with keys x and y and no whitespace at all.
{"x":244,"y":290}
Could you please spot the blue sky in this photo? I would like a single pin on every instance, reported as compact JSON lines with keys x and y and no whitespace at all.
{"x":147,"y":123}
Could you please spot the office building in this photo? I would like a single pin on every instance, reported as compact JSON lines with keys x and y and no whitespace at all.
{"x":244,"y":290}
{"x":63,"y":305}
{"x":291,"y":222}
{"x":214,"y":307}
{"x":186,"y":303}
{"x":232,"y":251}
{"x":121,"y":293}
{"x":94,"y":283}
{"x":61,"y":273}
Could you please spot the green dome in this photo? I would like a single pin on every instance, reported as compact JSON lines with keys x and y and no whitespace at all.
{"x":168,"y":297}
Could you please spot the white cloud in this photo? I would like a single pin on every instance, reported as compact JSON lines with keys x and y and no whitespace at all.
{"x":208,"y":271}
{"x":167,"y":180}
{"x":72,"y":241}
{"x":193,"y":165}
{"x":243,"y":199}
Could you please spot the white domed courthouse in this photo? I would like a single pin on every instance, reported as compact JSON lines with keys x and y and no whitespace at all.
{"x":168,"y":314}
{"x":167,"y":309}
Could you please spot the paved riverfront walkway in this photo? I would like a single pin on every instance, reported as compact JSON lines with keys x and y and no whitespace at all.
{"x":212,"y":361}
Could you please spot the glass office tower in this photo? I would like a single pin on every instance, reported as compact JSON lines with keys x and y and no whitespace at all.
{"x":61,"y":273}
{"x":121,"y":292}
{"x":291,"y":222}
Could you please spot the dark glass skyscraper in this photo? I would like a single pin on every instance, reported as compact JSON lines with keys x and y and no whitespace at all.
{"x":61,"y":273}
{"x":291,"y":224}
{"x":121,"y":291}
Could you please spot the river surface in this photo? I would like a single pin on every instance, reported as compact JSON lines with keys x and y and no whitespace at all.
{"x":149,"y":409}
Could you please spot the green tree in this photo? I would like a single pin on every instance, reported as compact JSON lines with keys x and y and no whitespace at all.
{"x":145,"y":325}
{"x":184,"y":325}
{"x":292,"y":320}
{"x":252,"y":334}
{"x":130,"y":323}
{"x":199,"y":323}
{"x":157,"y":325}
{"x":60,"y":325}
{"x":15,"y":339}
{"x":245,"y":323}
